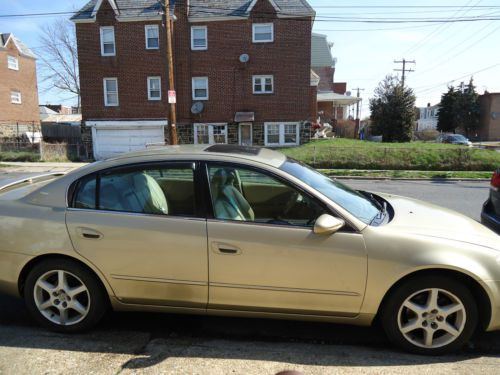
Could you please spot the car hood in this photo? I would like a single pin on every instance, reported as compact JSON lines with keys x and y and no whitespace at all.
{"x":425,"y":219}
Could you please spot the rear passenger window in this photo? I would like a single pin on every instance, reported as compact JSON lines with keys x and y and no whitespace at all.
{"x":154,"y":190}
{"x":85,"y":193}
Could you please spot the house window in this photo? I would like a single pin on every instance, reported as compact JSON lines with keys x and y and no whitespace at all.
{"x":110,"y":92}
{"x":12,"y":63}
{"x":205,"y":134}
{"x":262,"y":33}
{"x":281,"y":134}
{"x":15,"y":97}
{"x":263,"y":84}
{"x":107,"y":41}
{"x":152,"y":37}
{"x":154,"y":88}
{"x":200,"y":88}
{"x":199,"y":38}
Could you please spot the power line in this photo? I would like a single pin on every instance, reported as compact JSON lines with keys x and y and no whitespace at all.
{"x":454,"y":79}
{"x":465,"y":49}
{"x":440,"y":27}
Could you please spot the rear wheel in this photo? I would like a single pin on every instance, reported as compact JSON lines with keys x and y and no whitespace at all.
{"x":430,"y":315}
{"x":64,"y":296}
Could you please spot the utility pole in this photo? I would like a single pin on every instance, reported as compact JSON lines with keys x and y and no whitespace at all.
{"x":404,"y":70}
{"x":357,"y":104}
{"x":171,"y":84}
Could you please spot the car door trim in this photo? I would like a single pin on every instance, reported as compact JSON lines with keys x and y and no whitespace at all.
{"x":280,"y":289}
{"x":159,"y":280}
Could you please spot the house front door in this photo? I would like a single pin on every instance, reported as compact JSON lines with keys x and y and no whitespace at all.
{"x":246,"y":134}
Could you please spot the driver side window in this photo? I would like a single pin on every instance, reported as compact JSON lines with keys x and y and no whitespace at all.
{"x":242,"y":194}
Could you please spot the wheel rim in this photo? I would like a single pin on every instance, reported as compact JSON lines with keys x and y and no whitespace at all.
{"x":62,"y":297}
{"x":432,"y":318}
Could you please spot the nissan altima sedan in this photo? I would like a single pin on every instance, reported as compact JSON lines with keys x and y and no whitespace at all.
{"x":243,"y":231}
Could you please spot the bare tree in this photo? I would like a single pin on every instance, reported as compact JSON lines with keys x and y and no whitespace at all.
{"x":59,"y":59}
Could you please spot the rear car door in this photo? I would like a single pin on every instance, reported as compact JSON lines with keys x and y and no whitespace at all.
{"x":144,"y":227}
{"x":264,"y":255}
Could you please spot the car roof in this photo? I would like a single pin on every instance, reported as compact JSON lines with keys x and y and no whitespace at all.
{"x":202,"y":152}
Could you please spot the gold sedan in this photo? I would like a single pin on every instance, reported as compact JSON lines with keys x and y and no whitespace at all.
{"x":243,"y":231}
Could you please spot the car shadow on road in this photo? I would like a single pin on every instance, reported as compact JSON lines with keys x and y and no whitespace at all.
{"x":150,"y":339}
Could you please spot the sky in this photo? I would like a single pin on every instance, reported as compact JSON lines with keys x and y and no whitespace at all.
{"x":445,"y":53}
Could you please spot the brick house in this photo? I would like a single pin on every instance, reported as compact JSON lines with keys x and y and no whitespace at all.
{"x":242,"y":72}
{"x":332,"y":100}
{"x":18,"y":88}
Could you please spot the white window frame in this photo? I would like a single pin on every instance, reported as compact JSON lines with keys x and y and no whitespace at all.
{"x":254,"y":25}
{"x":148,"y":27}
{"x":282,"y":134}
{"x":106,"y":104}
{"x":262,"y":77}
{"x":210,"y":127}
{"x":193,"y":88}
{"x":149,"y":88}
{"x":12,"y":62}
{"x":101,"y":31}
{"x":193,"y":47}
{"x":18,"y":97}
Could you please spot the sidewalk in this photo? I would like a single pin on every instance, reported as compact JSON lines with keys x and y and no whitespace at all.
{"x":39,"y":167}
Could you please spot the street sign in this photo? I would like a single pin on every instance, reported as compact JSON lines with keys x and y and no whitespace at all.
{"x":172,"y":99}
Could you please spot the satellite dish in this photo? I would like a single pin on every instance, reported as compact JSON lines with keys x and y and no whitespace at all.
{"x":197,"y":107}
{"x":348,"y":93}
{"x":244,"y":58}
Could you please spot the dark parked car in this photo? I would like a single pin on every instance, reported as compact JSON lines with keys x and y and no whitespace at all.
{"x":454,"y":139}
{"x":491,"y":208}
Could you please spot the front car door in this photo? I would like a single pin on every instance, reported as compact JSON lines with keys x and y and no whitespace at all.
{"x":264,"y":256}
{"x":143,"y":228}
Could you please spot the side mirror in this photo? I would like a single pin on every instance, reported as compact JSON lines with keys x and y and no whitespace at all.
{"x":327,"y":224}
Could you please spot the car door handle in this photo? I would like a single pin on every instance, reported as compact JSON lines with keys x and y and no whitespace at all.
{"x":225,"y":249}
{"x":88,"y":233}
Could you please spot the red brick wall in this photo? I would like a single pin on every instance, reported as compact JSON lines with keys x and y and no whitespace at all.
{"x":131,"y":65}
{"x":230,"y":82}
{"x":22,"y":80}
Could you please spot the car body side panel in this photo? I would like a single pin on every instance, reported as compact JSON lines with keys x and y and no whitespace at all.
{"x":147,"y":259}
{"x":392,"y":256}
{"x":285,"y":269}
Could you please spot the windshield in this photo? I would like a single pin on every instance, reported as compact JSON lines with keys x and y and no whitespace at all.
{"x":351,"y":200}
{"x":457,"y":137}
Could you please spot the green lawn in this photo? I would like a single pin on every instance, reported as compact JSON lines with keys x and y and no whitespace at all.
{"x":355,"y":154}
{"x":407,"y":174}
{"x":19,"y":156}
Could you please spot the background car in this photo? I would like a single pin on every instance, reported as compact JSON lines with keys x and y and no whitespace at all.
{"x":244,"y":231}
{"x":490,"y":215}
{"x":455,"y":139}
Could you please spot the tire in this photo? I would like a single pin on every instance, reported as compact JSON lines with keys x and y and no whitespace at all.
{"x":64,"y":296}
{"x":430,"y":315}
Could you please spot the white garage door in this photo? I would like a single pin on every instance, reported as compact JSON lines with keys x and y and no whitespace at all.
{"x":109,"y":142}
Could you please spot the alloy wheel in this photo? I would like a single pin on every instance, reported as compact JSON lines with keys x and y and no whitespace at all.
{"x":432,"y":318}
{"x":61,"y":297}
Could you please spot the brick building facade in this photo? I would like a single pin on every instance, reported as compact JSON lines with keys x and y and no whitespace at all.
{"x":18,"y":88}
{"x":490,"y":117}
{"x":249,"y":84}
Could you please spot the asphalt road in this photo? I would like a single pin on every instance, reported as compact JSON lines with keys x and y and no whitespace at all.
{"x":127,"y":343}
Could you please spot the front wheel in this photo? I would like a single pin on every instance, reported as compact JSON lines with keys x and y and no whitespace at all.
{"x":64,"y":296}
{"x":430,"y":315}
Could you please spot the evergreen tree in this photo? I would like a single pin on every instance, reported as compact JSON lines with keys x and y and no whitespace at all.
{"x":470,"y":109}
{"x":459,"y":109}
{"x":448,"y":115}
{"x":392,"y":111}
